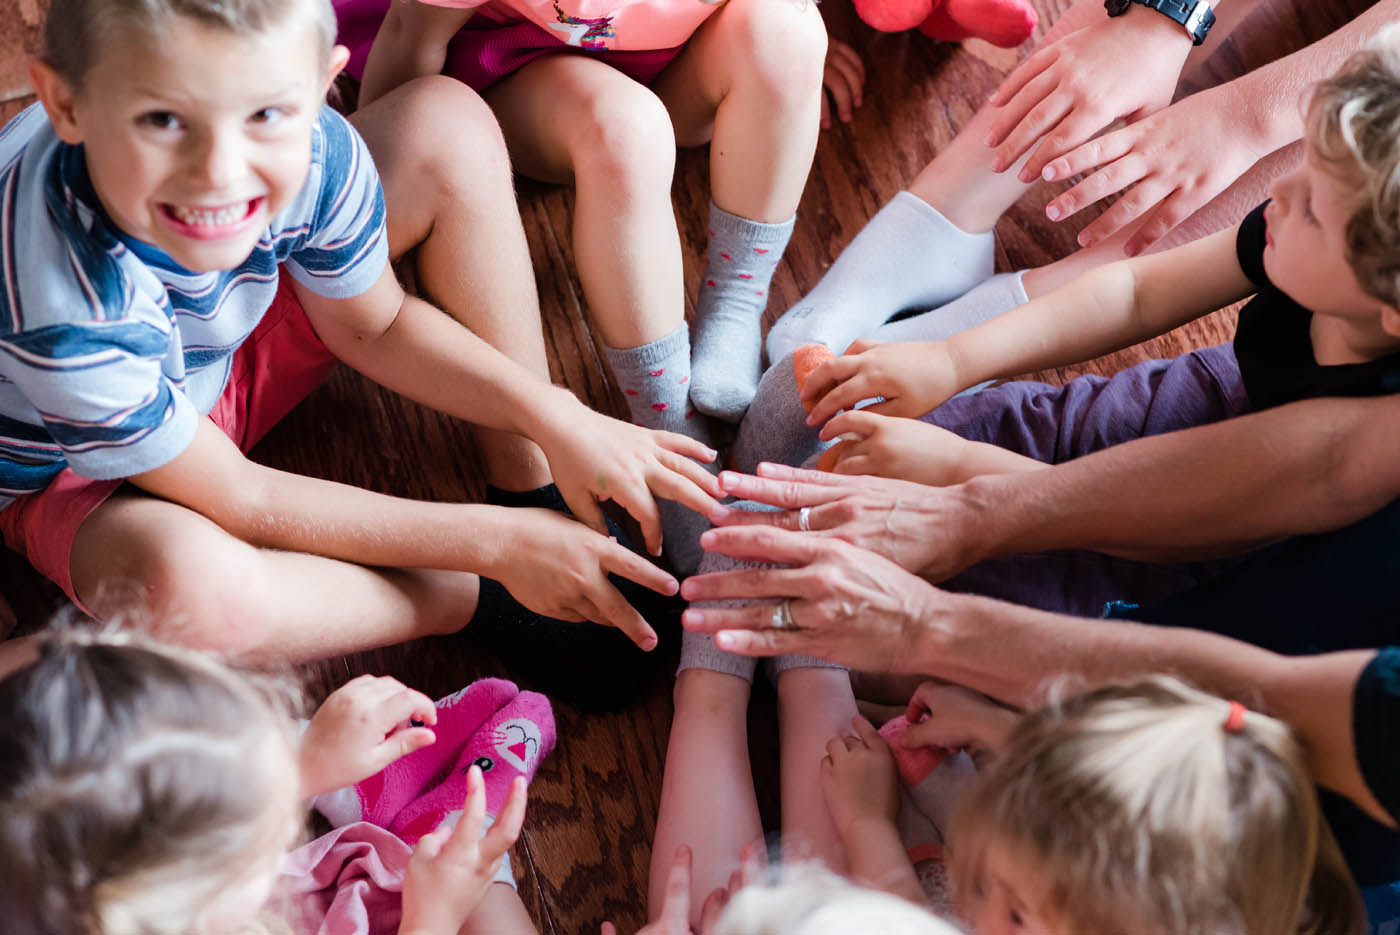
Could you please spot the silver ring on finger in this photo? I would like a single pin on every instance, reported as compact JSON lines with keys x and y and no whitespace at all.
{"x":782,"y":616}
{"x":804,"y":519}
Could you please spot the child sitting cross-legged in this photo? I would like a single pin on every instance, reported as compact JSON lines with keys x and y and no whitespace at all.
{"x":149,"y":788}
{"x":194,"y":240}
{"x":1146,"y":807}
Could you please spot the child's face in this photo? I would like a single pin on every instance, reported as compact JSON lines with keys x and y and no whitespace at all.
{"x":1305,"y":255}
{"x":195,"y":136}
{"x":1002,"y":901}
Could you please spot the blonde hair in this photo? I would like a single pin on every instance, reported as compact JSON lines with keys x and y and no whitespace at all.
{"x":808,"y":899}
{"x":137,"y":783}
{"x":1140,"y":812}
{"x":1354,"y":126}
{"x":75,"y":29}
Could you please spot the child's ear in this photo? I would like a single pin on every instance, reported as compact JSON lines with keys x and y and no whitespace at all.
{"x":1390,"y":320}
{"x":59,"y":100}
{"x":340,"y":56}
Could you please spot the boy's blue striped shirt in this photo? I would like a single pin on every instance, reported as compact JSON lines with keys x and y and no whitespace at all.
{"x":110,"y":352}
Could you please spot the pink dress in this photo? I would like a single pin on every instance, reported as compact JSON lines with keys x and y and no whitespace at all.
{"x":638,"y":37}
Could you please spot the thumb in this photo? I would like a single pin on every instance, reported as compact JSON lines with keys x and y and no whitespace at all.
{"x":402,"y":743}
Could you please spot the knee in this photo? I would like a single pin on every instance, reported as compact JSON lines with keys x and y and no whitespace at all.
{"x":202,"y":594}
{"x":451,"y":142}
{"x":624,"y":141}
{"x":782,"y":41}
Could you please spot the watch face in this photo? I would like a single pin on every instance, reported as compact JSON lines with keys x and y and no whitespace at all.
{"x":1117,"y":7}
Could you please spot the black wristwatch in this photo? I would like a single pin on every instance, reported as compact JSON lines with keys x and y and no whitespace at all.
{"x":1195,"y":15}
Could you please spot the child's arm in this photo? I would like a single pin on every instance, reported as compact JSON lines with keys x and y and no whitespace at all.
{"x":1107,"y":308}
{"x":548,"y":562}
{"x":406,"y":345}
{"x":453,"y":866}
{"x":362,"y":727}
{"x":411,"y":43}
{"x":907,"y":449}
{"x":957,"y":718}
{"x":861,"y":786}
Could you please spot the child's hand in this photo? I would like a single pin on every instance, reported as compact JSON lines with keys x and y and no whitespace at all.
{"x":1127,"y":66}
{"x":559,"y":568}
{"x":912,"y":376}
{"x":360,"y":729}
{"x":891,"y":446}
{"x":1174,"y":161}
{"x":859,"y":779}
{"x":452,"y":867}
{"x":842,"y":81}
{"x":594,"y":458}
{"x":956,"y":718}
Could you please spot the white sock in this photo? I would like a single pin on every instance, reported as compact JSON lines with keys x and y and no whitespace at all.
{"x":997,"y":295}
{"x":907,"y":256}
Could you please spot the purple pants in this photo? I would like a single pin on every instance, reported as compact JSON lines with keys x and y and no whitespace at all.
{"x":1058,"y":423}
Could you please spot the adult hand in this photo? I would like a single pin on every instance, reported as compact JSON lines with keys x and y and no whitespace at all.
{"x":932,"y":531}
{"x":887,"y":446}
{"x":859,"y":780}
{"x":912,"y":376}
{"x":848,"y":605}
{"x":362,"y":727}
{"x":1172,"y":164}
{"x":594,"y":457}
{"x":956,"y":718}
{"x":1121,"y":67}
{"x":452,"y":867}
{"x":559,"y":568}
{"x":842,"y":82}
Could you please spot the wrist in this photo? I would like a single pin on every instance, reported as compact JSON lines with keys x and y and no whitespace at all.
{"x":1157,"y":28}
{"x":549,"y":412}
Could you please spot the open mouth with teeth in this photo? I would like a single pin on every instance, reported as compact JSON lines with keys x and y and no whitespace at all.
{"x":211,"y":222}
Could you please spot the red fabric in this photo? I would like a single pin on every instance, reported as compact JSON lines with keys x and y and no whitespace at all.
{"x":279,"y":364}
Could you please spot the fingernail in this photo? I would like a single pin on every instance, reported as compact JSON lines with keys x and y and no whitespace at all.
{"x":649,"y":644}
{"x":1052,"y":211}
{"x":990,"y":139}
{"x":1025,"y":176}
{"x":692,"y":618}
{"x":1048,"y":173}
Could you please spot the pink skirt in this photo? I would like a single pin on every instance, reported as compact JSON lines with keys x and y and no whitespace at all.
{"x":485,"y":52}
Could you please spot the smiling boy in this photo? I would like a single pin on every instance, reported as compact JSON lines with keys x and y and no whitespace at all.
{"x":181,"y":163}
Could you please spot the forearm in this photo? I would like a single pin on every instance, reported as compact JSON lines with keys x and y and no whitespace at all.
{"x":876,"y":857}
{"x":432,"y":359}
{"x":966,"y":644}
{"x":1270,"y":98}
{"x":411,"y":43}
{"x":1312,"y":466}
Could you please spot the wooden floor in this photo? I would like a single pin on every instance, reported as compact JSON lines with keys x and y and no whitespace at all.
{"x":584,"y":853}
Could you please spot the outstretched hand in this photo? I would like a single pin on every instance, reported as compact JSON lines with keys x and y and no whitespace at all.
{"x":914,"y":377}
{"x":1169,"y":165}
{"x":362,"y":727}
{"x":452,"y":867}
{"x":594,"y":458}
{"x":1125,"y":67}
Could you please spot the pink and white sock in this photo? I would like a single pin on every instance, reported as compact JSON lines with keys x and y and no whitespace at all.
{"x":379,"y":798}
{"x":933,"y":779}
{"x":511,"y":743}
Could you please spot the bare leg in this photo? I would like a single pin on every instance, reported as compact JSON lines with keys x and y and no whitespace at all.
{"x":814,"y":705}
{"x":447,"y":185}
{"x":756,"y":98}
{"x":707,"y":797}
{"x":159,"y":566}
{"x":567,"y":118}
{"x":500,"y":913}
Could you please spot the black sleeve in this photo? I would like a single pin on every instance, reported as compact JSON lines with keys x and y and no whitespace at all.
{"x":1249,"y":246}
{"x":1376,"y":728}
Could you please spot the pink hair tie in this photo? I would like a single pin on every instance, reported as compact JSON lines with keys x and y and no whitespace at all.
{"x":1234,"y":721}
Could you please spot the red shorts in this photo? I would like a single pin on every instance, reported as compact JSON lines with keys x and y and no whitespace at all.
{"x":279,"y":364}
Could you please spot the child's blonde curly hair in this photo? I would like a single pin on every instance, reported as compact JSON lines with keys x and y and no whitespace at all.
{"x":1354,"y":128}
{"x":1140,"y":812}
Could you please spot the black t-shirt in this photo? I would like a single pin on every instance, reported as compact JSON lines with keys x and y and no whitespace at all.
{"x":1375,"y":724}
{"x":1274,"y":346}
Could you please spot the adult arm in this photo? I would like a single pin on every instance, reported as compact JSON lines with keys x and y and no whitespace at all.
{"x":853,"y":607}
{"x":411,"y":43}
